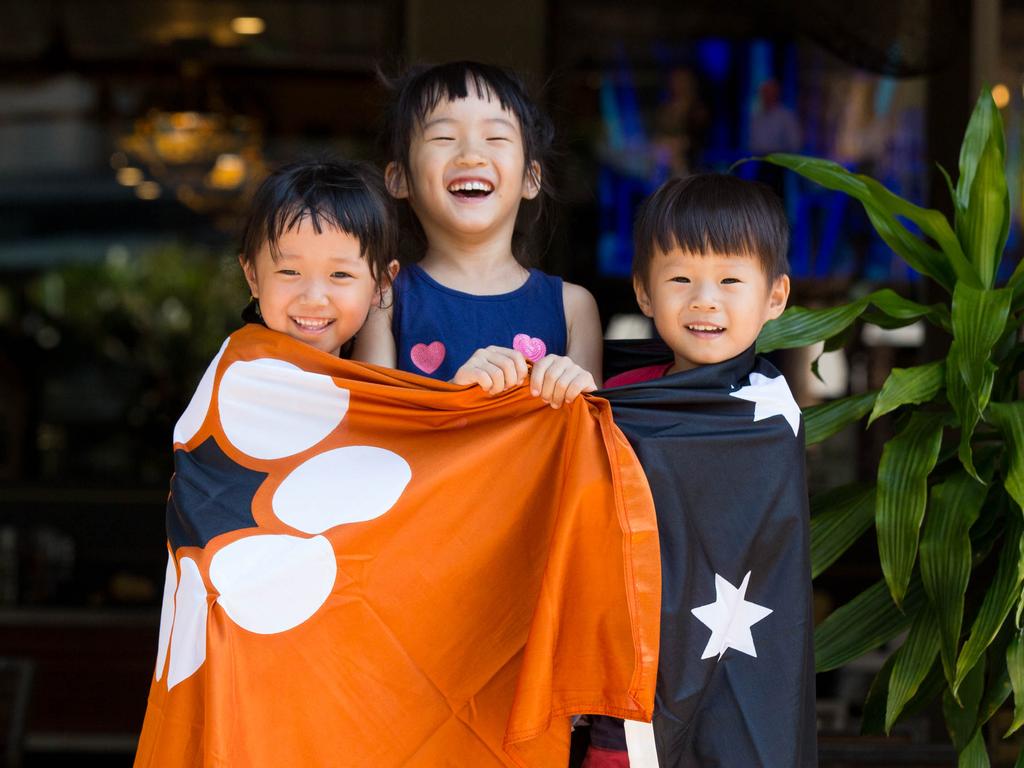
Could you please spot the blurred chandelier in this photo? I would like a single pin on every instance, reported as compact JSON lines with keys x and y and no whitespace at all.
{"x":209,"y":160}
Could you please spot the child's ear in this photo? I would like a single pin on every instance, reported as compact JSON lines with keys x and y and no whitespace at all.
{"x":395,"y":181}
{"x":642,"y":298}
{"x":533,"y":181}
{"x":778,"y":296}
{"x":384,"y":291}
{"x":249,"y":270}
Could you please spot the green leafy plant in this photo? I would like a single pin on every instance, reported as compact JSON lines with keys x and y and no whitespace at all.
{"x":947,"y":502}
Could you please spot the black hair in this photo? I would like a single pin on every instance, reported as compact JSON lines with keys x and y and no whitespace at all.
{"x":419,"y":90}
{"x":713,"y":212}
{"x":345,"y":195}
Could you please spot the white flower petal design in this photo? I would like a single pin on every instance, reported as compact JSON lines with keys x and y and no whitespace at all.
{"x":188,"y":638}
{"x":195,"y":413}
{"x":166,"y":615}
{"x":272,"y":583}
{"x":346,"y":485}
{"x":270,"y":409}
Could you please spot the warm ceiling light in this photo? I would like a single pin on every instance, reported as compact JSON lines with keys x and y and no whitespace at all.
{"x":228,"y":172}
{"x":148,"y":190}
{"x":1000,"y":95}
{"x":129,"y":176}
{"x":248,"y":25}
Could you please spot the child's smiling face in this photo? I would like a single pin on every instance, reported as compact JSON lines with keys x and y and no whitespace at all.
{"x":319,"y":289}
{"x":468,"y":169}
{"x":709,"y":307}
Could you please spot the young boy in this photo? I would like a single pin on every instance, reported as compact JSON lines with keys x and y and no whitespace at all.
{"x":709,"y":269}
{"x":718,"y":434}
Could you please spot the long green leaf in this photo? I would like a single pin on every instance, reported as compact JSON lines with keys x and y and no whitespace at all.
{"x":966,"y":402}
{"x":907,"y":460}
{"x":949,"y":184}
{"x":909,"y":386}
{"x":863,"y":624}
{"x":931,"y":222}
{"x":997,"y":679}
{"x":975,"y":754}
{"x":914,"y":660}
{"x":985,"y":223}
{"x":872,"y":721}
{"x":1015,"y":667}
{"x":823,"y":421}
{"x":905,"y":310}
{"x":962,"y":716}
{"x":930,"y":690}
{"x":982,"y":201}
{"x":979,"y":320}
{"x":980,"y":128}
{"x":885,"y":210}
{"x":800,"y":326}
{"x":1009,"y":419}
{"x":838,"y":518}
{"x":946,"y":557}
{"x":1003,"y":593}
{"x":1016,"y":284}
{"x":997,"y":690}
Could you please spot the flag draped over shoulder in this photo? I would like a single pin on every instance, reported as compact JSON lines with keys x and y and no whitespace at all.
{"x":369,"y":568}
{"x":723,"y":449}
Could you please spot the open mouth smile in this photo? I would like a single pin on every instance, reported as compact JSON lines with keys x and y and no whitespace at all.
{"x":705,"y":330}
{"x":470,"y":189}
{"x":313,"y":324}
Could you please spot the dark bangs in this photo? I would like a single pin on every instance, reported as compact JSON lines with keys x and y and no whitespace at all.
{"x":347,"y":196}
{"x":713,"y":212}
{"x":418,"y":91}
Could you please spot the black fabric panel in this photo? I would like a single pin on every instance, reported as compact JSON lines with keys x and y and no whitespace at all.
{"x":216,"y":492}
{"x":731,"y":498}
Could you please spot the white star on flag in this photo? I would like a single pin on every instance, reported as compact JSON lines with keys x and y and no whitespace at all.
{"x":730,"y":618}
{"x":771,"y":397}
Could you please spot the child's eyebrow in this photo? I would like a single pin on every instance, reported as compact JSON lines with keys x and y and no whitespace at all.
{"x":450,"y":120}
{"x":437,"y":121}
{"x":502,"y":121}
{"x":344,"y":258}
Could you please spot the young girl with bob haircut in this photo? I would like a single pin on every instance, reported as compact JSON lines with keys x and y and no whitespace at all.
{"x":317,"y":251}
{"x":467,"y":155}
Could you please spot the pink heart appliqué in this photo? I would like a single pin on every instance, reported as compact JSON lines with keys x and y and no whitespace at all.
{"x":533,"y":349}
{"x":427,"y":357}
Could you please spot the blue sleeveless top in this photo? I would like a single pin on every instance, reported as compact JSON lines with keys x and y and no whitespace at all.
{"x":437,"y":328}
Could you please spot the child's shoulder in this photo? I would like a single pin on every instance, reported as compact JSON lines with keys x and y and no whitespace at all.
{"x":577,"y":299}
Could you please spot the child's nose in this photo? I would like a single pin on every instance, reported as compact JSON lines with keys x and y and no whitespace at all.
{"x":470,"y":154}
{"x":704,"y":298}
{"x":314,"y":293}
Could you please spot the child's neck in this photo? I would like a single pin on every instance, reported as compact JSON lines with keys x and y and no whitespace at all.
{"x":486,"y":270}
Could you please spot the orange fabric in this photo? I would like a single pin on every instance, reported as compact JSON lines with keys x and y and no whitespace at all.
{"x":513,"y":583}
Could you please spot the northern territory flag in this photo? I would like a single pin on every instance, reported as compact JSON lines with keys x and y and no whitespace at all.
{"x":723,"y":449}
{"x":369,"y":568}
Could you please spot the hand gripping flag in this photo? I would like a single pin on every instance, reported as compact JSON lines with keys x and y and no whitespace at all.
{"x":369,"y":568}
{"x":723,"y":449}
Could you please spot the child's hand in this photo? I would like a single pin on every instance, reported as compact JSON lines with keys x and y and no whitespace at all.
{"x":556,"y":380}
{"x":495,"y":369}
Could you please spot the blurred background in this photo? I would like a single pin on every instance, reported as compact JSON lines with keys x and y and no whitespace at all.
{"x":131,"y":133}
